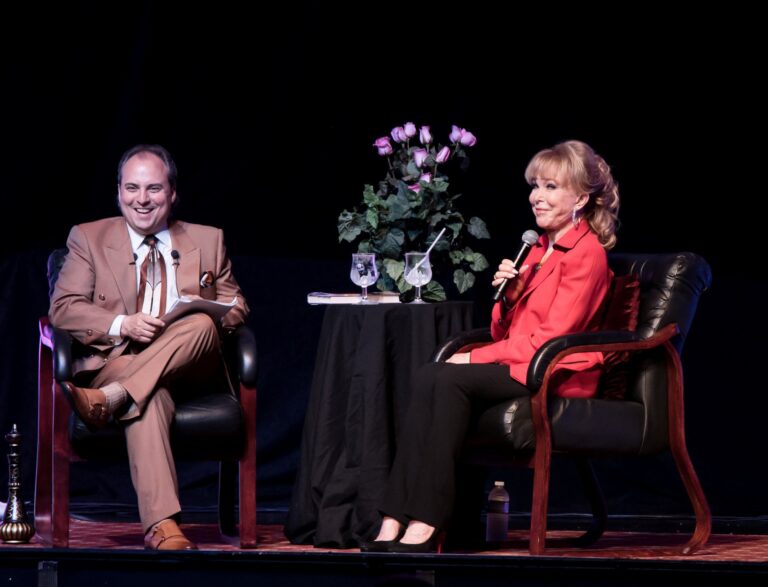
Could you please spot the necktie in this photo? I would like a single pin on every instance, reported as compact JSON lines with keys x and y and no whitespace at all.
{"x":152,"y":275}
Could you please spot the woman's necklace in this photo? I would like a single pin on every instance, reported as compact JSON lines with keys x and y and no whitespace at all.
{"x":544,"y":258}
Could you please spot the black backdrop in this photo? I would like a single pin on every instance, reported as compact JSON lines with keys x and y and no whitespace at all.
{"x":271,"y":120}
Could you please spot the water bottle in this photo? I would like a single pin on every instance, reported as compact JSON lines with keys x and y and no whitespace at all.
{"x":497,"y":520}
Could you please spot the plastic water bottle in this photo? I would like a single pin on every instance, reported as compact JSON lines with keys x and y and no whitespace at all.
{"x":497,"y":520}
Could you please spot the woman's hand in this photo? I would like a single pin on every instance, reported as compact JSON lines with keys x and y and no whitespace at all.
{"x":458,"y":359}
{"x":506,"y":271}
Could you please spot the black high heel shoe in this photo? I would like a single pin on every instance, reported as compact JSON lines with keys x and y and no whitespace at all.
{"x":432,"y":544}
{"x":381,"y":545}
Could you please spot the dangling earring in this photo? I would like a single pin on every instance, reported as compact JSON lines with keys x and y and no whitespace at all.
{"x":575,"y":218}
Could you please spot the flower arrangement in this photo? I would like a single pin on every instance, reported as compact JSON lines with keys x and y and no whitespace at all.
{"x":411,"y":206}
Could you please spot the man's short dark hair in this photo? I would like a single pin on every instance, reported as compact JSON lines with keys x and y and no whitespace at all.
{"x":157,"y":150}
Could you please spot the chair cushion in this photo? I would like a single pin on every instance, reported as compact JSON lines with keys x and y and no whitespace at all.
{"x":578,"y":424}
{"x":204,"y":428}
{"x":620,"y":313}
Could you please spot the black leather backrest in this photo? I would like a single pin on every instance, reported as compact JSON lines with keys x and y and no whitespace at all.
{"x":55,"y":262}
{"x":670,"y":286}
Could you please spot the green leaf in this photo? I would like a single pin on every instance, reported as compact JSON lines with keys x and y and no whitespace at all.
{"x":478,"y":262}
{"x":393,"y":268}
{"x":455,"y":228}
{"x":390,"y":243}
{"x":350,"y":226}
{"x":371,"y":198}
{"x":456,"y":257}
{"x":433,"y":292}
{"x":463,"y":280}
{"x":385,"y":283}
{"x":477,"y":228}
{"x":372,"y":217}
{"x":398,"y":205}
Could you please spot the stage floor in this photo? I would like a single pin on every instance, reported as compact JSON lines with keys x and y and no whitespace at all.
{"x":721,"y":547}
{"x":112,"y":553}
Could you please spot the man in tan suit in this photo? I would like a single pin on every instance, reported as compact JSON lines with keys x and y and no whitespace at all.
{"x":119,"y":275}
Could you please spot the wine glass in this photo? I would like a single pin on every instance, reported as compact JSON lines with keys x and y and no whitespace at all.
{"x":418,"y":272}
{"x":364,"y":273}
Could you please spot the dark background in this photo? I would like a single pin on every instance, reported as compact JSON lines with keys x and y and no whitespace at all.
{"x":270,"y":115}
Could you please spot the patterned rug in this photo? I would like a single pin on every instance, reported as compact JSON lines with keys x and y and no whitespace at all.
{"x":721,"y":547}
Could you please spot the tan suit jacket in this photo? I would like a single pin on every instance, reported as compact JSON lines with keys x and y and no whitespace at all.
{"x":98,"y":281}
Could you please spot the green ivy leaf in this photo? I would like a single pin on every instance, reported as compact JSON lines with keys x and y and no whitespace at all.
{"x":394,"y":268}
{"x":390,"y":243}
{"x":372,"y":217}
{"x":463,"y":280}
{"x":398,"y":205}
{"x":456,"y":257}
{"x":477,"y":228}
{"x":350,"y":226}
{"x":478,"y":262}
{"x":371,"y":198}
{"x":433,"y":292}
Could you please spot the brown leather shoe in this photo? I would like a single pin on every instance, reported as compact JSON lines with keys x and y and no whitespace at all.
{"x":167,"y":535}
{"x":90,"y":404}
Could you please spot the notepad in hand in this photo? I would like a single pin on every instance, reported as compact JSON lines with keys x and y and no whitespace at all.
{"x":185,"y":305}
{"x":379,"y":297}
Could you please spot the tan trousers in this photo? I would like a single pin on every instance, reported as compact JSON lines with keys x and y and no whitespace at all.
{"x":187,"y":352}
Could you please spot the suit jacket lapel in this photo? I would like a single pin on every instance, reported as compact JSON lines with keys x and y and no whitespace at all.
{"x":188,"y":272}
{"x":119,"y":255}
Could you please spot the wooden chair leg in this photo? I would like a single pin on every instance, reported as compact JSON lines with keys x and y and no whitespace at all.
{"x":596,"y":501}
{"x":680,"y":453}
{"x":44,"y":469}
{"x":248,"y":537}
{"x":542,"y":461}
{"x":61,"y":460}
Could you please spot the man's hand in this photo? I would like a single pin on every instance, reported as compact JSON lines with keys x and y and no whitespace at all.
{"x":141,"y":327}
{"x":458,"y":359}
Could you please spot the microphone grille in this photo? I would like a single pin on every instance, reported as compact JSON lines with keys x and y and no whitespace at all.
{"x":530,"y":237}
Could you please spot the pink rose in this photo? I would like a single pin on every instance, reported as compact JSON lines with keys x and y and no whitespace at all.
{"x":467,"y":138}
{"x":383,"y":145}
{"x":398,"y":134}
{"x":410,"y":129}
{"x":443,"y":155}
{"x":419,"y":156}
{"x":425,"y":177}
{"x":424,"y":135}
{"x":455,"y":133}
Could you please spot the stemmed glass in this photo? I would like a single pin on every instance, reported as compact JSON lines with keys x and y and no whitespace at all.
{"x":364,"y":273}
{"x":418,"y":272}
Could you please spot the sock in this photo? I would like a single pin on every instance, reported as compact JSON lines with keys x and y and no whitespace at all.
{"x":116,"y":396}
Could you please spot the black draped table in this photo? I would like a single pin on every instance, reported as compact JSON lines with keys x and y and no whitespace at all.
{"x":366,"y":357}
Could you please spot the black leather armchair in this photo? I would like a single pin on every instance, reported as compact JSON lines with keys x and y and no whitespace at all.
{"x":648,"y":420}
{"x":218,"y":426}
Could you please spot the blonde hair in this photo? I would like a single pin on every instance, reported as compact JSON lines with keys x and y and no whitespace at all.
{"x":576,"y":164}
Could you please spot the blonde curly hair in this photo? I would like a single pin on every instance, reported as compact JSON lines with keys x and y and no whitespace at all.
{"x":577,"y":165}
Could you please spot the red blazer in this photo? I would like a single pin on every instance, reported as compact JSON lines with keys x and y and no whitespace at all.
{"x":562,"y":297}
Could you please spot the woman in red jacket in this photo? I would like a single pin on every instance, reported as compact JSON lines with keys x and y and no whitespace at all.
{"x":558,"y":291}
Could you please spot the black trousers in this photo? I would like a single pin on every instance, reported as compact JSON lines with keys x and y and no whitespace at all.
{"x":422,"y":483}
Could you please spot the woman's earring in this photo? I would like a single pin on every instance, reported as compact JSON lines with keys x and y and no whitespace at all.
{"x":575,"y":218}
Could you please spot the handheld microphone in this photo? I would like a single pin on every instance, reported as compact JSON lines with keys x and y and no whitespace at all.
{"x":529,"y":239}
{"x":175,"y":255}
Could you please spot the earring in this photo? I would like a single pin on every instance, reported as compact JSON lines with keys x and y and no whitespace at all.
{"x":575,"y":218}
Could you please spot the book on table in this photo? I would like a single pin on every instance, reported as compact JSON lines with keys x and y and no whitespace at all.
{"x":184,"y":305}
{"x":377,"y":297}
